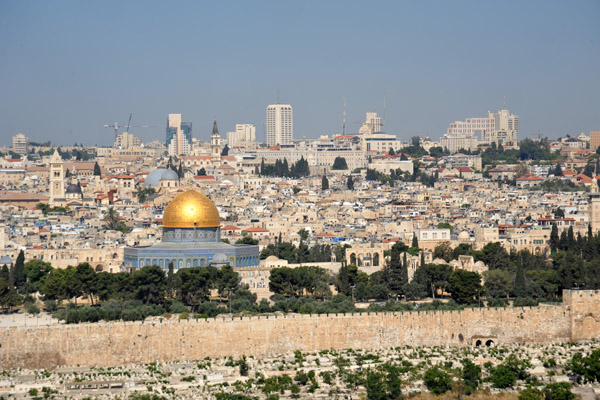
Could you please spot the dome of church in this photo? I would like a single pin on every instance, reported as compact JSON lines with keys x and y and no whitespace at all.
{"x":160,"y":174}
{"x":191,"y":209}
{"x":72,"y":188}
{"x":169,"y":175}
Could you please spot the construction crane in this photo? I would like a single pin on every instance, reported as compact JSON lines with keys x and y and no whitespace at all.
{"x":116,"y":126}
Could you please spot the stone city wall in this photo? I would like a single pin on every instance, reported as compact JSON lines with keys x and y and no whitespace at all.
{"x":109,"y":344}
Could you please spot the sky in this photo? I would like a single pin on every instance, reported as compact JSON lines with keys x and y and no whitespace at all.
{"x":70,"y":67}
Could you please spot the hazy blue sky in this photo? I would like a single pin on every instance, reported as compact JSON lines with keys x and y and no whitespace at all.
{"x":69,"y":67}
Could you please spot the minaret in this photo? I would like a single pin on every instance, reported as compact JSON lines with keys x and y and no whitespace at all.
{"x":215,"y":144}
{"x":57,"y":176}
{"x":594,"y":205}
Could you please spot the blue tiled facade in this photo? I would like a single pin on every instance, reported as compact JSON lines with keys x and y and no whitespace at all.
{"x":187,"y":248}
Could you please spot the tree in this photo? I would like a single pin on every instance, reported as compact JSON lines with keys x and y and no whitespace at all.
{"x":497,"y":283}
{"x":470,"y":374}
{"x":586,"y":368}
{"x":437,"y":380}
{"x":324,"y":183}
{"x":144,"y":193}
{"x":391,"y":152}
{"x":350,"y":183}
{"x":465,"y":286}
{"x":443,"y":251}
{"x":559,"y":391}
{"x":111,"y":218}
{"x":97,"y":171}
{"x":225,"y":151}
{"x":87,"y":279}
{"x":554,"y":238}
{"x":247,"y":239}
{"x":8,"y":297}
{"x":502,"y":377}
{"x":375,"y":385}
{"x":150,"y":284}
{"x":202,"y":171}
{"x":521,"y":170}
{"x":434,"y":277}
{"x":558,"y":170}
{"x":339,"y":163}
{"x":415,"y":241}
{"x":18,"y":270}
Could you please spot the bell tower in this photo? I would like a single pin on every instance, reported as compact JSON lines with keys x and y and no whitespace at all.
{"x":57,"y":177}
{"x":215,"y":145}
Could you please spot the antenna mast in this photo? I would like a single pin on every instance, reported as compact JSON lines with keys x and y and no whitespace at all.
{"x":384,"y":107}
{"x":344,"y":119}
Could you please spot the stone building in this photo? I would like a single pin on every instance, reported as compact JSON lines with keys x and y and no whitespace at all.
{"x":191,"y":238}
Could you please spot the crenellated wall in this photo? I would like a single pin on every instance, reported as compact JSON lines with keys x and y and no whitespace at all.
{"x":119,"y":343}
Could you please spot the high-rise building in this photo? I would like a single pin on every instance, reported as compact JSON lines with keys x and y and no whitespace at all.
{"x":500,"y":128}
{"x":280,"y":124}
{"x":244,"y":134}
{"x":126,"y":140}
{"x":21,"y":144}
{"x":179,"y":135}
{"x":594,"y":140}
{"x":371,"y":125}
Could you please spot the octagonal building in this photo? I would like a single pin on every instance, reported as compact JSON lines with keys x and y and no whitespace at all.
{"x":191,"y":238}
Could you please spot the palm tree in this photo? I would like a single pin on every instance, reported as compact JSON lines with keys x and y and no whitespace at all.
{"x":111,"y":218}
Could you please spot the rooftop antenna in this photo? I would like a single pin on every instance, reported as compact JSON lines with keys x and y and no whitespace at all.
{"x":505,"y":102}
{"x":278,"y":93}
{"x":344,"y":119}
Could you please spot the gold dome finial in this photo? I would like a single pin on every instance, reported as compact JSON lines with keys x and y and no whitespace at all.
{"x":191,"y":209}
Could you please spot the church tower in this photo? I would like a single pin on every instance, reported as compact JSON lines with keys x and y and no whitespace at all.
{"x":57,"y":176}
{"x":215,"y":145}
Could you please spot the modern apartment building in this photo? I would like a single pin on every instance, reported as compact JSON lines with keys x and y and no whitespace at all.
{"x":280,"y":124}
{"x":594,"y":140}
{"x":21,"y":144}
{"x":501,"y":127}
{"x":243,"y":135}
{"x":179,"y":136}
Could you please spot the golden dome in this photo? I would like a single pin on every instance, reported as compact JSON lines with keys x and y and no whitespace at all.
{"x":191,"y":209}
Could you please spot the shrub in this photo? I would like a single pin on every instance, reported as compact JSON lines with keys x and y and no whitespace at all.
{"x":437,"y":380}
{"x":502,"y":377}
{"x":184,"y":315}
{"x":471,"y":375}
{"x":50,"y":305}
{"x":32,"y":308}
{"x":559,"y":391}
{"x":531,"y":394}
{"x":525,"y":302}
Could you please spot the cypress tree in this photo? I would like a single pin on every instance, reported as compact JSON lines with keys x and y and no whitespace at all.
{"x":404,"y":271}
{"x":570,"y":238}
{"x":350,"y":183}
{"x":415,"y":241}
{"x":97,"y":171}
{"x":5,"y":273}
{"x":324,"y":183}
{"x":554,"y":239}
{"x":520,"y":287}
{"x":422,"y":258}
{"x":19,"y":270}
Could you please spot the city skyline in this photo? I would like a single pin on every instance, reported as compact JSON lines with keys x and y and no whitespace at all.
{"x":75,"y":67}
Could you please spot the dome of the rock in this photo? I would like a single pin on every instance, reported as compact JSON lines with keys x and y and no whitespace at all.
{"x":191,"y":209}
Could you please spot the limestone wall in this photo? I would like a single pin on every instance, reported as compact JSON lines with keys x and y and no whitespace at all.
{"x":106,"y":344}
